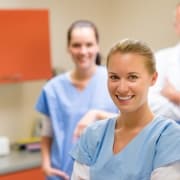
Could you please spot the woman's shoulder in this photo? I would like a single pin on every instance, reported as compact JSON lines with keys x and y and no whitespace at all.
{"x":101,"y":74}
{"x":168,"y":125}
{"x":57,"y":80}
{"x":95,"y":132}
{"x":102,"y":68}
{"x":168,"y":142}
{"x":59,"y":77}
{"x":162,"y":126}
{"x":87,"y":146}
{"x":172,"y":129}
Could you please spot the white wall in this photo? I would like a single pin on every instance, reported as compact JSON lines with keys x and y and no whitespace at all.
{"x":150,"y":21}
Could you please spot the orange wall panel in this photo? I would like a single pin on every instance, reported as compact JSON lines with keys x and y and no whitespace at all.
{"x":32,"y":174}
{"x":25,"y":45}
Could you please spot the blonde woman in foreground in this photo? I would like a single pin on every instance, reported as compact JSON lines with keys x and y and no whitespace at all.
{"x":136,"y":145}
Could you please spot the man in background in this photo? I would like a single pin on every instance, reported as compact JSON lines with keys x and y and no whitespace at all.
{"x":164,"y":97}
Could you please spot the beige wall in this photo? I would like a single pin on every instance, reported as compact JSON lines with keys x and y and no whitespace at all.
{"x":150,"y":21}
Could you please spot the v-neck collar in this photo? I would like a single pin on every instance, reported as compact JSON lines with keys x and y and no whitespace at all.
{"x":89,"y":84}
{"x":122,"y":151}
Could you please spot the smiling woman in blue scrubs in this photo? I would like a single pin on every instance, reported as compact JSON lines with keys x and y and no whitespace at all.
{"x":72,"y":100}
{"x":136,"y":145}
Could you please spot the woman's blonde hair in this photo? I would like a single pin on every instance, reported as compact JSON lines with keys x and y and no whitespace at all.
{"x":136,"y":47}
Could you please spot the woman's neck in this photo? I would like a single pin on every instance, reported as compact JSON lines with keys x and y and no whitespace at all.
{"x":81,"y":78}
{"x":83,"y":74}
{"x":135,"y":120}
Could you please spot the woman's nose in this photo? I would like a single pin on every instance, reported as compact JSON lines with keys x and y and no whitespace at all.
{"x":83,"y":50}
{"x":122,"y":86}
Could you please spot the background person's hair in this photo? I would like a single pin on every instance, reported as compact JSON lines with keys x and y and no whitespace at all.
{"x":137,"y":47}
{"x":85,"y":23}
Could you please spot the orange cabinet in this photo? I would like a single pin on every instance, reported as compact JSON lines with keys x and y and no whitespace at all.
{"x":32,"y":174}
{"x":24,"y":45}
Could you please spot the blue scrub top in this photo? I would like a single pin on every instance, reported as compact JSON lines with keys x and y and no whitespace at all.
{"x":158,"y":144}
{"x":65,"y":105}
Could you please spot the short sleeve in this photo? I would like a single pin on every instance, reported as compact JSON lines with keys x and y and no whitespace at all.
{"x":41,"y":104}
{"x":168,"y":146}
{"x":87,"y":147}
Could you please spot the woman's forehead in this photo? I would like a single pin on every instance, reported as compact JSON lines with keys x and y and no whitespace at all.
{"x":129,"y":62}
{"x":127,"y":57}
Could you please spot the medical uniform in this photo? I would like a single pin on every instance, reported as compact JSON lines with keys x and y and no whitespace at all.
{"x":65,"y":105}
{"x":168,"y":67}
{"x":157,"y":145}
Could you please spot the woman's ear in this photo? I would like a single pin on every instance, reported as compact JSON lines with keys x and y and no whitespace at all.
{"x":154,"y":78}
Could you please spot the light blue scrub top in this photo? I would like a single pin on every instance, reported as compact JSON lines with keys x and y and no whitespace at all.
{"x":158,"y":144}
{"x":65,"y":105}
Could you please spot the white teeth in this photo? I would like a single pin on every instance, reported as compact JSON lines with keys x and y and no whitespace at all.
{"x":124,"y":98}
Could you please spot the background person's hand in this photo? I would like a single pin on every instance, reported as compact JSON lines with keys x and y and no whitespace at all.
{"x":49,"y":171}
{"x":89,"y":118}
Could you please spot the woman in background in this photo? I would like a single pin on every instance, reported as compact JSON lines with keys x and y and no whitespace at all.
{"x":72,"y":100}
{"x":136,"y":145}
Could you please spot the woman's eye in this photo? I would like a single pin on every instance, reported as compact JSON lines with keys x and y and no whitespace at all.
{"x":133,"y":77}
{"x":76,"y":45}
{"x":89,"y":44}
{"x":113,"y":77}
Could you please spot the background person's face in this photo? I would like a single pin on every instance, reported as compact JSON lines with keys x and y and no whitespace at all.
{"x":83,"y":47}
{"x":128,"y":81}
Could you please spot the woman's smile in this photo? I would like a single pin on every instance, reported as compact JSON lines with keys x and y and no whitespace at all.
{"x":124,"y":98}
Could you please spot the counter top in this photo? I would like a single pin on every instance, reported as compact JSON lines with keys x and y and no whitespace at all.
{"x":18,"y":161}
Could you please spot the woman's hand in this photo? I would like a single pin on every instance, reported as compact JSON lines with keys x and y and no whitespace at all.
{"x":49,"y":171}
{"x":90,"y":117}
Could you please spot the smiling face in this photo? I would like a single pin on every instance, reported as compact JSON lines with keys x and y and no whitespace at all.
{"x":83,"y":47}
{"x":129,"y":80}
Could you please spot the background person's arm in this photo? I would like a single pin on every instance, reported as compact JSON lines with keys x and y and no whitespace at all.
{"x":90,"y":117}
{"x":171,"y":93}
{"x":46,"y":141}
{"x":170,"y":172}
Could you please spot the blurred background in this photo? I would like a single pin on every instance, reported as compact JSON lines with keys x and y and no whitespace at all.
{"x":150,"y":21}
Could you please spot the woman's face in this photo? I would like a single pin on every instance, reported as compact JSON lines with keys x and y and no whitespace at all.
{"x":128,"y":81}
{"x":83,"y":47}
